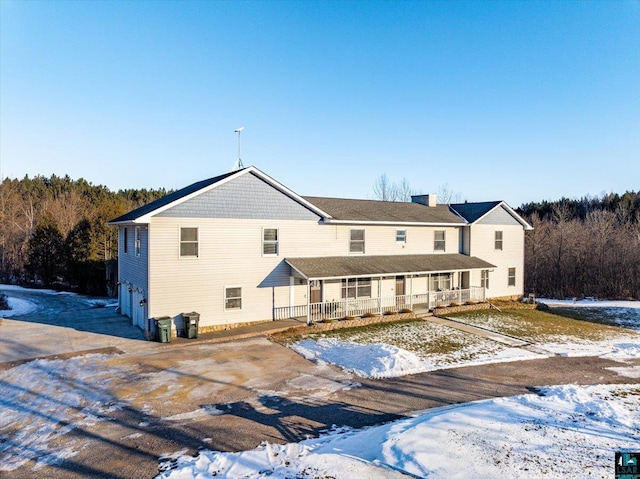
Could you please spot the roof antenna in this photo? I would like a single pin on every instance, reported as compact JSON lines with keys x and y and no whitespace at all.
{"x":239,"y":164}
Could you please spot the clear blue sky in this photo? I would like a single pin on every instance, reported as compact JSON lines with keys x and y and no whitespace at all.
{"x":521,"y":101}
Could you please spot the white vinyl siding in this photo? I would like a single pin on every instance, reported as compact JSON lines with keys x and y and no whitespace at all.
{"x":482,"y":245}
{"x":356,"y":241}
{"x":232,"y":298}
{"x":270,"y":242}
{"x":230,"y":253}
{"x":189,"y":242}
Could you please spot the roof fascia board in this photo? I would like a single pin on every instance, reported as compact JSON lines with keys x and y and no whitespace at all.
{"x":399,"y":273}
{"x":124,"y":223}
{"x":511,"y":211}
{"x":389,"y":223}
{"x":379,"y":275}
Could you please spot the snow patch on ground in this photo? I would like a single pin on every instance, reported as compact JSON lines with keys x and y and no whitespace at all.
{"x":565,"y":431}
{"x":386,"y":361}
{"x":611,"y":348}
{"x":590,"y":303}
{"x":44,"y":400}
{"x":17,"y":307}
{"x":200,"y":413}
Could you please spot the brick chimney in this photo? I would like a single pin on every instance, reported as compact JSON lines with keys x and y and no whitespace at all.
{"x":427,"y":200}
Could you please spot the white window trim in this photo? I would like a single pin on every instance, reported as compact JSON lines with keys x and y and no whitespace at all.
{"x":187,"y":257}
{"x":125,"y":238}
{"x":224,"y":298}
{"x":277,"y":241}
{"x":515,"y":277}
{"x":404,"y":234}
{"x":137,"y":242}
{"x":364,"y":241}
{"x":495,"y":240}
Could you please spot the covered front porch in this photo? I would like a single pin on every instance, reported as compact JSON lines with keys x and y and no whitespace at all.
{"x":339,"y":287}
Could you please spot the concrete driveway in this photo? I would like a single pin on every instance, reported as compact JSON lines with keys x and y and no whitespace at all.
{"x":147,"y":399}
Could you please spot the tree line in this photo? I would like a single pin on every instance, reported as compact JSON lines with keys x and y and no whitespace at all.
{"x":584,"y":247}
{"x":53,"y":231}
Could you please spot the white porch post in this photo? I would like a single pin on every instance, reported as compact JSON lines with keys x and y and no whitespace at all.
{"x":292,"y":297}
{"x":308,"y":302}
{"x":380,"y":295}
{"x":410,"y":291}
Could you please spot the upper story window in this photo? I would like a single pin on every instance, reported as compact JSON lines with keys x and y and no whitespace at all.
{"x":439,"y":241}
{"x":512,"y":277}
{"x":356,"y":241}
{"x":401,"y":236}
{"x":356,"y":288}
{"x":138,"y":242}
{"x":498,"y":240}
{"x":125,"y":240}
{"x":188,"y":242}
{"x":270,"y":242}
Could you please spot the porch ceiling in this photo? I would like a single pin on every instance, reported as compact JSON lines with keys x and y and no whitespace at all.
{"x":365,"y":266}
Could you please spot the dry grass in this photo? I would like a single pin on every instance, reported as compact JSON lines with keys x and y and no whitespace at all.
{"x":537,"y":326}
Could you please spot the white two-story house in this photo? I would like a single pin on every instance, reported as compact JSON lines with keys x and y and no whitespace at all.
{"x":242,"y":248}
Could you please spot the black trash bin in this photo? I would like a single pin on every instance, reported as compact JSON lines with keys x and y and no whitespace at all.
{"x":191,"y":323}
{"x":163,"y":329}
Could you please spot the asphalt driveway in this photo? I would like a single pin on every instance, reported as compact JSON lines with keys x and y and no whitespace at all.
{"x":157,"y":399}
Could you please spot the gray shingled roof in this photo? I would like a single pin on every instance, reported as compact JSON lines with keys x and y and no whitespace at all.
{"x":170,"y":198}
{"x":384,"y":211}
{"x":472,"y":211}
{"x":351,"y":266}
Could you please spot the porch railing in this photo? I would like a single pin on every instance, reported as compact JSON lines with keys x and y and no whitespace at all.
{"x":358,"y":307}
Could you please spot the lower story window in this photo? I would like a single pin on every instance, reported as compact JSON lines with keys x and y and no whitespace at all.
{"x":232,"y":298}
{"x":440,"y":282}
{"x":356,"y":288}
{"x":512,"y":277}
{"x":484,"y":278}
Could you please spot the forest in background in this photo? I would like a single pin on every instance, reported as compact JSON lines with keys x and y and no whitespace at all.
{"x":584,"y":247}
{"x":53,"y":233}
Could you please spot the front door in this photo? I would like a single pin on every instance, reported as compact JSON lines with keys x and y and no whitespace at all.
{"x":315,"y":291}
{"x":400,"y":302}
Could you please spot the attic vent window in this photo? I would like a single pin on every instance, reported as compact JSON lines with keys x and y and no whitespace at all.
{"x":188,"y":242}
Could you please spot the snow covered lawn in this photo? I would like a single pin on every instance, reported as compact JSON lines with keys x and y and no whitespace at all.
{"x":396,"y":349}
{"x":565,"y":431}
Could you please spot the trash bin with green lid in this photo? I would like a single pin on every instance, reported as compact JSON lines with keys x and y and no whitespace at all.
{"x":163,"y":329}
{"x":191,"y":323}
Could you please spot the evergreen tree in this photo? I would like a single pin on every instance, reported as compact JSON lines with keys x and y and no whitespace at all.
{"x":45,"y":252}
